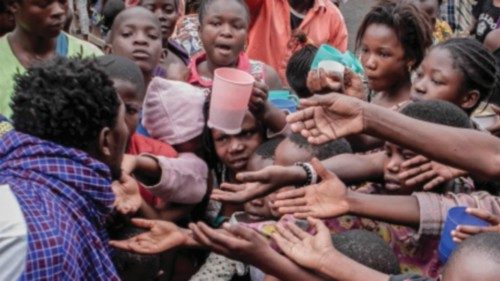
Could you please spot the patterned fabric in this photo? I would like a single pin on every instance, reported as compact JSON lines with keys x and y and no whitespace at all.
{"x":458,"y":14}
{"x":442,"y":31}
{"x":65,"y":197}
{"x":187,"y":34}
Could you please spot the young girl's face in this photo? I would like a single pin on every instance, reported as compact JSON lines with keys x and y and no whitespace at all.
{"x":383,"y":57}
{"x":166,"y":12}
{"x":396,"y":155}
{"x":44,"y":18}
{"x":138,"y":38}
{"x":223,"y":32}
{"x":234,"y":151}
{"x":437,"y":78}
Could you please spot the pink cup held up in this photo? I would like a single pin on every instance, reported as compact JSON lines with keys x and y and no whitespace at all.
{"x":231,"y":91}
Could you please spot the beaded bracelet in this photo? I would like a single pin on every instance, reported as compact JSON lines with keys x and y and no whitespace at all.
{"x":312,"y":176}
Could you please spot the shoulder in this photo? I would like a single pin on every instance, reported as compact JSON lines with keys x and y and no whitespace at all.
{"x":77,"y":46}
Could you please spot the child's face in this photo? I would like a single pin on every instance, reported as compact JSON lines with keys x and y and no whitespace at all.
{"x":438,"y":79}
{"x":234,"y":151}
{"x":138,"y":37}
{"x":430,"y":7}
{"x":287,"y":153}
{"x":382,"y":57}
{"x":166,"y":13}
{"x":128,"y":92}
{"x":396,"y":155}
{"x":42,"y":18}
{"x":224,"y":32}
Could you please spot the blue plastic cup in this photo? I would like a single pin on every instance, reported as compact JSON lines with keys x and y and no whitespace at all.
{"x":282,"y":95}
{"x":456,"y":216}
{"x":287,"y":105}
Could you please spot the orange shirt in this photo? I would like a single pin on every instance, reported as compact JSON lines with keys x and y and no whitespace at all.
{"x":270,"y":36}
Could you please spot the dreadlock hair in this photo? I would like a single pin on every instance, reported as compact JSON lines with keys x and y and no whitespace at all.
{"x":322,"y":151}
{"x":412,"y":28}
{"x":122,"y":68}
{"x":298,"y":67}
{"x":476,"y":64}
{"x":66,"y":101}
{"x":204,"y":4}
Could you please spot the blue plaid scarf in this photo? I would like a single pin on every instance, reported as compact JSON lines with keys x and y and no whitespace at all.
{"x":65,"y":197}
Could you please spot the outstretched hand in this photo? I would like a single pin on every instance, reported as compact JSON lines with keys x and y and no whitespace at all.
{"x":463,"y":232}
{"x":324,"y":200}
{"x":162,"y":236}
{"x":420,"y":171}
{"x":328,"y":117}
{"x":255,"y":185}
{"x":321,"y":81}
{"x":233,"y":241}
{"x":305,"y":249}
{"x":127,"y":196}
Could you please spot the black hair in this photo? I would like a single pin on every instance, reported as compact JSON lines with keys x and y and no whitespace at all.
{"x":192,"y":6}
{"x":109,"y":12}
{"x":322,"y":151}
{"x":148,"y":266}
{"x":176,"y":4}
{"x":298,"y":67}
{"x":485,"y":245}
{"x":412,"y":27}
{"x":204,"y":4}
{"x":476,"y":64}
{"x":64,"y":100}
{"x":368,"y":249}
{"x":267,"y":148}
{"x":118,"y":67}
{"x":438,"y":112}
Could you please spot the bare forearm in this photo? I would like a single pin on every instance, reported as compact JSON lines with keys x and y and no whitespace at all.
{"x":403,"y":210}
{"x":470,"y":150}
{"x":284,"y":269}
{"x":336,"y":266}
{"x":355,"y":167}
{"x":148,"y":170}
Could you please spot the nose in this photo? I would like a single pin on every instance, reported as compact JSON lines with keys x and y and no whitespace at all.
{"x":160,"y":15}
{"x":236,"y":146}
{"x":419,"y":85}
{"x":394,"y":164}
{"x":257,"y":202}
{"x":140,"y":38}
{"x":226,"y":30}
{"x":370,"y":62}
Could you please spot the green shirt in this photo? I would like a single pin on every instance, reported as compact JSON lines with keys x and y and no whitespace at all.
{"x":10,"y":65}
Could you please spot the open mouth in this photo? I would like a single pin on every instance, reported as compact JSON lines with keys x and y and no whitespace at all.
{"x":223,"y":49}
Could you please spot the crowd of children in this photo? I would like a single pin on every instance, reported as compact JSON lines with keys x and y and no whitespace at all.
{"x":110,"y":170}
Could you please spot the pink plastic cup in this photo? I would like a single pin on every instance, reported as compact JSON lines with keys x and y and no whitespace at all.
{"x":231,"y":91}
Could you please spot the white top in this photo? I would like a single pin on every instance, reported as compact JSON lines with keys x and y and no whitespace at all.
{"x":13,"y":236}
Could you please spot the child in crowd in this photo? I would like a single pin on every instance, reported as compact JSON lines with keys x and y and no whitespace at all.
{"x":163,"y":180}
{"x":36,"y":37}
{"x":486,"y":14}
{"x":174,"y":58}
{"x":442,"y":30}
{"x":297,"y":69}
{"x":7,"y":22}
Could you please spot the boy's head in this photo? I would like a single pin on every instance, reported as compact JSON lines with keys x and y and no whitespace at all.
{"x":261,"y":158}
{"x":131,"y":266}
{"x":173,"y":112}
{"x":128,"y":83}
{"x":43,"y":19}
{"x":73,"y":103}
{"x":7,"y":22}
{"x":297,"y":69}
{"x":295,"y":148}
{"x":109,"y":12}
{"x":368,"y":249}
{"x":435,"y":111}
{"x":136,"y":34}
{"x":476,"y":258}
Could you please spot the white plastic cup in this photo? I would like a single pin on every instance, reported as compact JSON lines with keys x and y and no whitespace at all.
{"x":231,"y":91}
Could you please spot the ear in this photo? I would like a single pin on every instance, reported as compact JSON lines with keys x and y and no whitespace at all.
{"x":108,"y":49}
{"x":470,"y":99}
{"x":104,"y":143}
{"x":410,"y":64}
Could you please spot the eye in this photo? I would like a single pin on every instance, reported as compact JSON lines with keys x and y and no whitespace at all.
{"x":221,"y":139}
{"x":153,"y":36}
{"x":408,"y":155}
{"x":384,"y":54}
{"x":215,"y":23}
{"x":131,"y":110}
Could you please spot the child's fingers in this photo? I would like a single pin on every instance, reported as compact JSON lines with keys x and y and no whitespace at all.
{"x":291,"y":202}
{"x":415,"y":161}
{"x":424,"y":177}
{"x":482,"y":214}
{"x":143,"y":223}
{"x":198,"y":235}
{"x":287,"y":234}
{"x":301,"y":234}
{"x":318,"y":224}
{"x":294,"y":209}
{"x":469,"y":229}
{"x":459,"y":236}
{"x":232,"y":187}
{"x":289,"y":194}
{"x":120,"y":244}
{"x":434,"y":183}
{"x":322,"y":172}
{"x":405,"y":174}
{"x":241,"y":231}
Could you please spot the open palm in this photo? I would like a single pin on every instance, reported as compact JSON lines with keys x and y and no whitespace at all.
{"x":161,"y":236}
{"x":324,"y":200}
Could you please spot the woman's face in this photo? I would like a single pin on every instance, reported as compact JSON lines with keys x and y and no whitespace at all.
{"x":224,"y":32}
{"x":438,"y":79}
{"x":166,"y":12}
{"x":382,"y":57}
{"x":234,"y":151}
